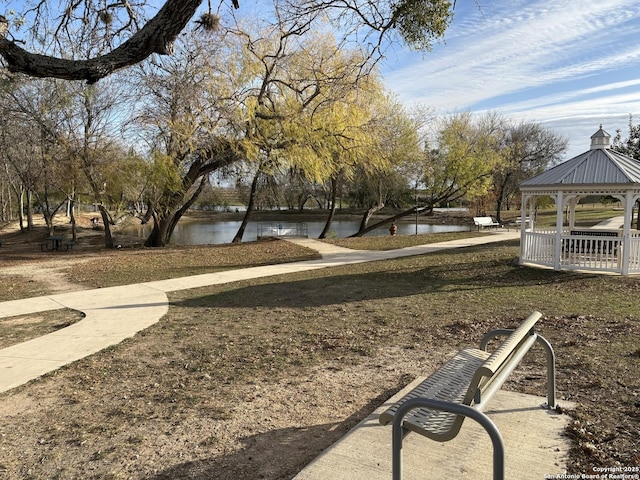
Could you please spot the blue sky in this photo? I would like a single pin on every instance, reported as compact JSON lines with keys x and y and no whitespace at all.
{"x":568,"y":65}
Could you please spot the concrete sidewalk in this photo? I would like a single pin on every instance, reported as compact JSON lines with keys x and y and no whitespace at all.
{"x":116,"y":313}
{"x":535,"y":446}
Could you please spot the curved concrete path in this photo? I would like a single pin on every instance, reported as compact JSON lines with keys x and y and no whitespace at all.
{"x":116,"y":313}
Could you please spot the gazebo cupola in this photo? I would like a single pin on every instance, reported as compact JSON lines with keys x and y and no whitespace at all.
{"x":600,"y":139}
{"x":612,"y":246}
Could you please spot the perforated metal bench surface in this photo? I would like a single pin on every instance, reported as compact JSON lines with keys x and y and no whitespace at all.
{"x":450,"y":383}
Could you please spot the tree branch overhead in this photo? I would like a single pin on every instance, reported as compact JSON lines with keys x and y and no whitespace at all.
{"x":157,"y":36}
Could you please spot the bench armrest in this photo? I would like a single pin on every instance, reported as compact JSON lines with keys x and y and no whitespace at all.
{"x":464,"y":410}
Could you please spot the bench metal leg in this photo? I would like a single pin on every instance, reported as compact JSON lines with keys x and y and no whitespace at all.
{"x":481,"y":418}
{"x":551,"y":360}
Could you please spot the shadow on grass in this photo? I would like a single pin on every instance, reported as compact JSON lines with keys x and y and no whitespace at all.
{"x":472,"y":269}
{"x":275,"y":454}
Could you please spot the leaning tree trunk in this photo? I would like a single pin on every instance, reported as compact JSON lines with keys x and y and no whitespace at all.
{"x":365,"y":220}
{"x":157,"y":36}
{"x":332,"y":209}
{"x":250,"y":206}
{"x":412,"y":210}
{"x":106,"y":221}
{"x":164,"y":223}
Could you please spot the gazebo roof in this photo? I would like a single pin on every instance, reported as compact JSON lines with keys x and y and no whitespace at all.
{"x":598,"y":166}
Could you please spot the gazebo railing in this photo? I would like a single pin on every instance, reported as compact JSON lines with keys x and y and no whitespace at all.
{"x":634,"y":253}
{"x":592,"y":250}
{"x":597,"y":250}
{"x":538,"y":247}
{"x":586,"y":249}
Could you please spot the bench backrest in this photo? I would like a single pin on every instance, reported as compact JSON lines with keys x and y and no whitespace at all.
{"x":494,"y":371}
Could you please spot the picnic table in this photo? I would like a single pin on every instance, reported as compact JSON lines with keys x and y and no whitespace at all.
{"x":54,"y":242}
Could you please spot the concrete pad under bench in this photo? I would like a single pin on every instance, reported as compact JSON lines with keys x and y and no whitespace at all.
{"x":535,"y":446}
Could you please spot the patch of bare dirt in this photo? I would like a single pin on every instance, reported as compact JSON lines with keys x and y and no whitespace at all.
{"x":22,"y":258}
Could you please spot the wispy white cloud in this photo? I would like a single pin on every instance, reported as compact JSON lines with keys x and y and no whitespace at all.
{"x":541,"y":60}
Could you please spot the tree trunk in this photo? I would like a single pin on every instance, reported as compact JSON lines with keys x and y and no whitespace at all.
{"x":412,"y":210}
{"x":157,"y":36}
{"x":502,"y":189}
{"x":21,"y":210}
{"x":499,"y":209}
{"x":302,"y":202}
{"x":29,"y":210}
{"x":365,"y":219}
{"x":72,"y":218}
{"x":250,"y":206}
{"x":107,"y":222}
{"x":332,"y":209}
{"x":164,"y":223}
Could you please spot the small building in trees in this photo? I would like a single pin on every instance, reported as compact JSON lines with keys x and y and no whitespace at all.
{"x":611,"y":246}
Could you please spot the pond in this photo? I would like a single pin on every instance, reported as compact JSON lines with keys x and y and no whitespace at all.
{"x":219,"y":232}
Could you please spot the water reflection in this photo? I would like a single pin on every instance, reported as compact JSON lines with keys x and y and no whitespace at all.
{"x":209,"y":232}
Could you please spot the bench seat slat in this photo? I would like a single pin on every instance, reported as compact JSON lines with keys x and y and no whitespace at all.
{"x":451,"y":383}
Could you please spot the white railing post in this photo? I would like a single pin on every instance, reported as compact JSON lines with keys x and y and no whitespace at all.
{"x":558,"y":246}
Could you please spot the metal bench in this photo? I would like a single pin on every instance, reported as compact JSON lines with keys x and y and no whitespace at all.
{"x":482,"y":222}
{"x":461,"y":388}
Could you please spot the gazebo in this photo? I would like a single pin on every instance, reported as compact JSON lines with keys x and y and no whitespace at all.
{"x":611,"y":247}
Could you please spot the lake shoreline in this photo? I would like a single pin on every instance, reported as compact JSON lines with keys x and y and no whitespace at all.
{"x":206,"y":227}
{"x":450,"y":217}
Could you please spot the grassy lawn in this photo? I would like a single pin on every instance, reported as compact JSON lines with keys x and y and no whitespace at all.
{"x":236,"y":373}
{"x":400,"y":241}
{"x":585,"y":216}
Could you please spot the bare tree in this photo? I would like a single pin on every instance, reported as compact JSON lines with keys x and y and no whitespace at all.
{"x":526,"y":149}
{"x":92,"y":118}
{"x":33,"y":121}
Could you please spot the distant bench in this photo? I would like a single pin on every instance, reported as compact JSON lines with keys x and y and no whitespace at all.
{"x":488,"y":222}
{"x":590,"y":245}
{"x":462,"y":387}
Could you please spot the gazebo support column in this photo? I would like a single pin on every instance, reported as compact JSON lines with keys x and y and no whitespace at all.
{"x":533,"y":200}
{"x":524,"y":200}
{"x":558,"y":246}
{"x":626,"y":232}
{"x":573,"y":202}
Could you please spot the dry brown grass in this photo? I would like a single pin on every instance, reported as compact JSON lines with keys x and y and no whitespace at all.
{"x":235,"y":374}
